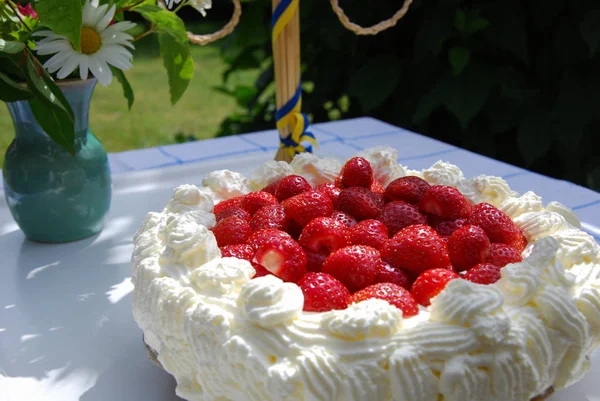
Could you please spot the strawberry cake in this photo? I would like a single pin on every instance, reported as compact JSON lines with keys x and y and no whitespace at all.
{"x":365,"y":281}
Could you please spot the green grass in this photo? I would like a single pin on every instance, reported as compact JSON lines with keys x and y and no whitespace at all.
{"x":153,"y":121}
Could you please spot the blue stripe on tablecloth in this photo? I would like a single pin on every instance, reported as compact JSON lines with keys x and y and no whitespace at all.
{"x":596,"y":202}
{"x":251,"y":142}
{"x":426,"y":155}
{"x":167,"y":154}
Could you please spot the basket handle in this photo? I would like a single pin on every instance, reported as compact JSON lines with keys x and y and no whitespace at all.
{"x":374,"y":29}
{"x":226,"y":30}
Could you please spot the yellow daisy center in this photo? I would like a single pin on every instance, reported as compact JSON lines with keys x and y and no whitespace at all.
{"x":90,"y":40}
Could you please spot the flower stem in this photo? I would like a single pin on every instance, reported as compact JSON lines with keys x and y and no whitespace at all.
{"x":150,"y":31}
{"x":129,"y":7}
{"x":15,"y":10}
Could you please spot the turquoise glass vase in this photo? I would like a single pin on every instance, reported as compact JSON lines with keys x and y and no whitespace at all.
{"x":55,"y":196}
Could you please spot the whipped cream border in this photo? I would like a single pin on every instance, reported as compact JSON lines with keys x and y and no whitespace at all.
{"x":223,"y":335}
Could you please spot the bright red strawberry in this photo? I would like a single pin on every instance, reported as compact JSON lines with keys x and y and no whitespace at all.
{"x":446,"y":202}
{"x":377,"y":187}
{"x":408,"y":189}
{"x":355,"y":266}
{"x":338,"y":182}
{"x":323,"y":292}
{"x":519,"y":243}
{"x":291,"y":185}
{"x":502,"y":254}
{"x":232,"y":231}
{"x":445,"y":228}
{"x":467,"y":247}
{"x":357,"y":172}
{"x":484,"y":273}
{"x":399,"y":214}
{"x":260,"y":270}
{"x":372,"y":233}
{"x":394,"y":294}
{"x":496,"y":224}
{"x":307,"y":206}
{"x":234,"y":211}
{"x":315,"y":260}
{"x":324,"y":234}
{"x":389,"y":274}
{"x":277,"y":252}
{"x":344,"y":218}
{"x":270,"y":216}
{"x":240,"y":251}
{"x":271,"y":188}
{"x":233,"y":203}
{"x":360,"y":203}
{"x":430,"y":283}
{"x":255,"y":200}
{"x":416,"y":248}
{"x":330,"y":190}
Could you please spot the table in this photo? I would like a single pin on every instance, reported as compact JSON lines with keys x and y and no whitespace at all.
{"x":66,"y":328}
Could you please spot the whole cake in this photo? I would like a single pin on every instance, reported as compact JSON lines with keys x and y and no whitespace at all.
{"x":365,"y":281}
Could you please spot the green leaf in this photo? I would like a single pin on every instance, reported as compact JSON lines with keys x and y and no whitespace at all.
{"x":10,"y":47}
{"x":511,"y":37}
{"x":476,"y":24}
{"x":460,"y":20}
{"x":534,"y":136}
{"x":367,"y":84}
{"x":165,"y":21}
{"x":10,"y":91}
{"x":590,"y":30}
{"x":427,"y":104}
{"x":64,"y":17}
{"x":435,"y":30}
{"x":459,"y":58}
{"x":44,"y":87}
{"x":127,"y":90}
{"x":179,"y":64}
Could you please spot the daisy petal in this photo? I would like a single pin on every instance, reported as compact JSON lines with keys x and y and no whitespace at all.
{"x":102,"y":24}
{"x":100,"y":69}
{"x":83,"y":67}
{"x":68,"y":67}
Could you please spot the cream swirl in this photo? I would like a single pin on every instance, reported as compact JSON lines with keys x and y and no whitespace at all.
{"x":536,"y":225}
{"x":442,"y":173}
{"x":268,"y":173}
{"x":316,"y":170}
{"x":384,"y":161}
{"x":226,"y":184}
{"x":369,"y":318}
{"x":490,"y":189}
{"x":516,"y":206}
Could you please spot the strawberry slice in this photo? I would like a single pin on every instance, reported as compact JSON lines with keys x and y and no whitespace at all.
{"x":307,"y":206}
{"x":232,"y":231}
{"x":392,"y":293}
{"x":389,"y":274}
{"x":270,"y":216}
{"x":344,"y":218}
{"x":330,"y":190}
{"x":399,"y":214}
{"x":357,"y":172}
{"x":467,"y":247}
{"x":408,"y":189}
{"x":233,"y":203}
{"x":355,"y":266}
{"x":315,"y":260}
{"x":234,"y":211}
{"x":445,"y":228}
{"x":484,"y":273}
{"x":430,"y":283}
{"x":255,"y":200}
{"x":323,"y":292}
{"x":277,"y":252}
{"x":446,"y":202}
{"x":360,"y":203}
{"x":324,"y":234}
{"x":502,"y":254}
{"x":372,"y":233}
{"x":291,"y":185}
{"x":497,"y":225}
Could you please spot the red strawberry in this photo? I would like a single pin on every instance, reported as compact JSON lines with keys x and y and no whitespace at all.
{"x":330,"y":190}
{"x":357,"y":172}
{"x":520,"y":243}
{"x":291,"y":185}
{"x":307,"y":206}
{"x":408,"y":189}
{"x":240,"y":251}
{"x":502,"y":254}
{"x":233,"y":203}
{"x":270,"y":216}
{"x":446,"y":202}
{"x":338,"y":182}
{"x":389,"y":274}
{"x":445,"y":228}
{"x":360,"y":203}
{"x":484,"y":273}
{"x":314,"y":260}
{"x":416,"y":248}
{"x":323,"y":292}
{"x":234,"y":211}
{"x":324,"y":234}
{"x":232,"y":231}
{"x":271,"y":188}
{"x":344,"y":218}
{"x":255,"y":200}
{"x":496,"y":224}
{"x":377,"y":187}
{"x":355,"y":266}
{"x":394,"y":294}
{"x":467,"y":247}
{"x":430,"y":283}
{"x":277,"y":252}
{"x":260,"y":270}
{"x":372,"y":233}
{"x":398,"y":214}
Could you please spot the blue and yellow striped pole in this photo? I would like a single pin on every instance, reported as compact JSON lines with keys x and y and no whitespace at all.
{"x":292,"y":124}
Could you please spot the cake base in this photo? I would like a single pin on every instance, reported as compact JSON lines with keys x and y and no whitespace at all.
{"x":154,"y":358}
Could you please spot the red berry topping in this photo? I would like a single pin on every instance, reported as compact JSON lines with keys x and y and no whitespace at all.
{"x":360,"y":203}
{"x":355,"y":266}
{"x":330,"y":190}
{"x":357,"y":172}
{"x":279,"y":253}
{"x":314,"y":260}
{"x":468,"y":246}
{"x":394,"y":294}
{"x":502,"y":254}
{"x":377,"y":187}
{"x":323,"y":292}
{"x":430,"y":283}
{"x":324,"y":234}
{"x":408,"y":189}
{"x":398,"y":214}
{"x":307,"y":206}
{"x":231,"y":231}
{"x":446,"y":202}
{"x":519,"y":243}
{"x":291,"y":185}
{"x":344,"y":218}
{"x":240,"y":251}
{"x":260,"y":270}
{"x":372,"y":233}
{"x":234,"y":211}
{"x":416,"y":248}
{"x":389,"y":274}
{"x":232,"y":203}
{"x":484,"y":273}
{"x":255,"y":200}
{"x":496,"y":224}
{"x":445,"y":228}
{"x":271,"y":188}
{"x":270,"y":216}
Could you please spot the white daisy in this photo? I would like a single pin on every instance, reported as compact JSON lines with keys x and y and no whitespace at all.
{"x":101,"y":45}
{"x":201,"y":5}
